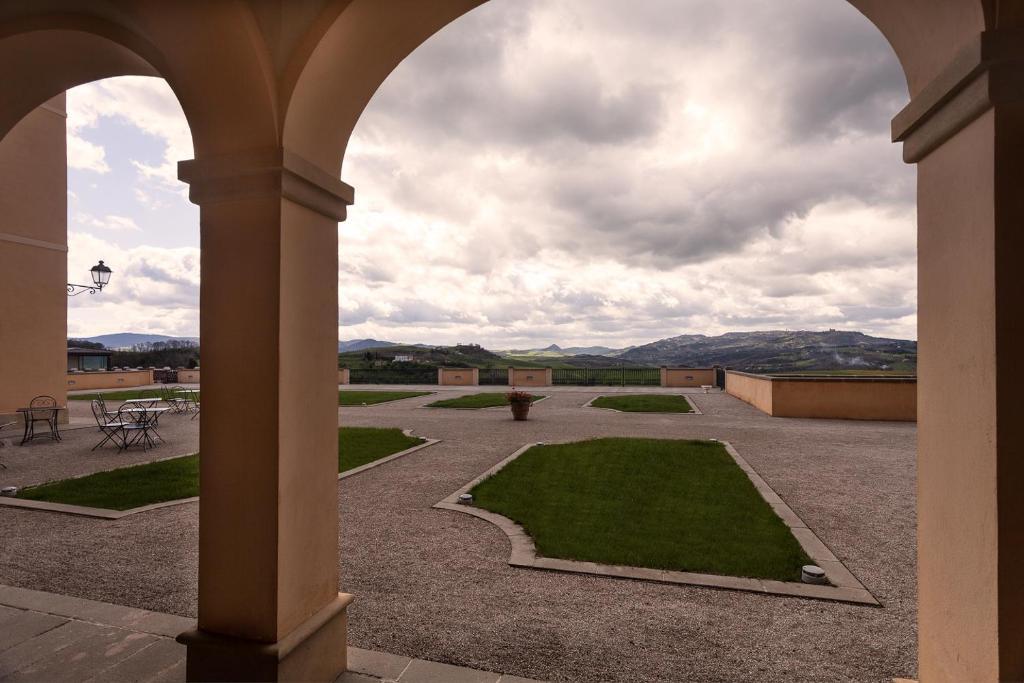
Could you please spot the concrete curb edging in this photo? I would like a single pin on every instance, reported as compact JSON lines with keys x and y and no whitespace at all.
{"x":103,"y":513}
{"x":422,"y":394}
{"x":846,"y":588}
{"x":695,"y":408}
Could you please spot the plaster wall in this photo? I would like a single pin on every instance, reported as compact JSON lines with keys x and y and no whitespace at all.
{"x":529,"y":377}
{"x":33,"y":251}
{"x":687,"y":377}
{"x":847,"y":399}
{"x":77,"y":381}
{"x":753,"y":389}
{"x":188,"y":376}
{"x":459,"y":377}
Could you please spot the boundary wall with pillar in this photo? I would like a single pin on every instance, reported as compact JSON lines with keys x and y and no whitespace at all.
{"x":458,"y":377}
{"x":188,"y":376}
{"x":115,"y":379}
{"x":344,"y":376}
{"x":838,"y":398}
{"x":530,"y":377}
{"x":687,"y":377}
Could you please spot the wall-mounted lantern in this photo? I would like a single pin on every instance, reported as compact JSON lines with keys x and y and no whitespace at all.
{"x":100,"y":278}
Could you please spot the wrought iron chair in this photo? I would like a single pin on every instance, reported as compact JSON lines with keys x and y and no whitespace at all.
{"x":194,"y":396}
{"x":188,"y":399}
{"x":108,"y":415}
{"x":113,"y":430}
{"x":135,"y":426}
{"x":41,"y":409}
{"x":173,"y":402}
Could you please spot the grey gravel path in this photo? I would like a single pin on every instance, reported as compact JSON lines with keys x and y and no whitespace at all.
{"x":434,"y":584}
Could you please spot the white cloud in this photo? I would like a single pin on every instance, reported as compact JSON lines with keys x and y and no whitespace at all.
{"x":86,"y":156}
{"x":584,"y":173}
{"x":151,"y":289}
{"x":110,"y":222}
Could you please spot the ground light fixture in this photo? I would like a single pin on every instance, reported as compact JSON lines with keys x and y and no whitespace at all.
{"x":100,"y":278}
{"x":810,"y":573}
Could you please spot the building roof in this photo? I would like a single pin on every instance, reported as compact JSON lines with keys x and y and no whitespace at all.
{"x":76,"y":351}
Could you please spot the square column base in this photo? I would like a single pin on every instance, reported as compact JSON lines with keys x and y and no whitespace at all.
{"x":315,"y":651}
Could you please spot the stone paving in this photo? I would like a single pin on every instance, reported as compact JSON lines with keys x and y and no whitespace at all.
{"x":435,"y":585}
{"x":48,"y":637}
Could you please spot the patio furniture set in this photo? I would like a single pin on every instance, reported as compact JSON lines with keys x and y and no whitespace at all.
{"x":133,"y":423}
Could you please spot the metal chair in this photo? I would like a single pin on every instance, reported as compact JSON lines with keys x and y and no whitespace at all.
{"x":188,"y":398}
{"x":113,"y":430}
{"x":173,"y":402}
{"x":108,"y":416}
{"x":194,"y":395}
{"x":41,"y":409}
{"x":135,"y":426}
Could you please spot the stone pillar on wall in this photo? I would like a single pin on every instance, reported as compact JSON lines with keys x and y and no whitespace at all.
{"x":344,"y":376}
{"x":663,"y":371}
{"x":269,"y":607}
{"x":33,"y":254}
{"x":965,"y":131}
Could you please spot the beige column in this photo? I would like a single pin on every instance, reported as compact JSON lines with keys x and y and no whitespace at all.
{"x":34,"y":261}
{"x":966,"y":132}
{"x":269,"y":607}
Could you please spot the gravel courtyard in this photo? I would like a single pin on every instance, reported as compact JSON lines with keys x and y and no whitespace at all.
{"x":435,"y":584}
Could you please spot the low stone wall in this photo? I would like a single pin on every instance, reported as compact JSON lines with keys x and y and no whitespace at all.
{"x":458,"y":377}
{"x":115,"y":379}
{"x":687,"y":377}
{"x":529,"y":377}
{"x":842,"y":398}
{"x":343,"y":376}
{"x":754,"y":389}
{"x":188,"y":376}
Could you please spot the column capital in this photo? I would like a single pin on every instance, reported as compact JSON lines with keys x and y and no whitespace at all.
{"x":263,"y":172}
{"x":986,"y":73}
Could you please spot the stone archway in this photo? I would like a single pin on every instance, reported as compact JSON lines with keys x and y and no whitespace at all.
{"x":272,"y":91}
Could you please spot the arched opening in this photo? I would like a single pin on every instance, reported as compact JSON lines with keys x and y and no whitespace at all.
{"x":266,"y":84}
{"x":530,"y":176}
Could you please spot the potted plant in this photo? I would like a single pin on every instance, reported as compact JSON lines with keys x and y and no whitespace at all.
{"x":520,"y":402}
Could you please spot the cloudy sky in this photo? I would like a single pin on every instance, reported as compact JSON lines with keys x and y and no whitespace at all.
{"x":569,"y":171}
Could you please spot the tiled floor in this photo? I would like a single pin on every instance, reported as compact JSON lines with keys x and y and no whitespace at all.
{"x":49,"y":637}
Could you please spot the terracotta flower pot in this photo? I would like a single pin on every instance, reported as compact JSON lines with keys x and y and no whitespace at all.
{"x":520,"y":409}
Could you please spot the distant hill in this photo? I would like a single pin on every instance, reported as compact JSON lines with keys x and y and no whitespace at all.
{"x":126,"y":340}
{"x":361,"y":344}
{"x":461,"y":355}
{"x":556,"y":351}
{"x":781,"y":351}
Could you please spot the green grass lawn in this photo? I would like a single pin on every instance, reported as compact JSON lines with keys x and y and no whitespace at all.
{"x":663,"y":504}
{"x":476,"y":401}
{"x":122,"y":395}
{"x":358,"y":398}
{"x":645,"y":403}
{"x":176,"y":478}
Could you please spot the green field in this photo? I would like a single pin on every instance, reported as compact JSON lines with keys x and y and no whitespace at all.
{"x":369,"y":398}
{"x":663,"y":504}
{"x":120,"y":395}
{"x":176,"y":478}
{"x":476,"y":401}
{"x":645,"y":403}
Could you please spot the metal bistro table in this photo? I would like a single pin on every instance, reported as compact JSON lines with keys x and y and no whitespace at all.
{"x":144,"y":420}
{"x":47,"y":414}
